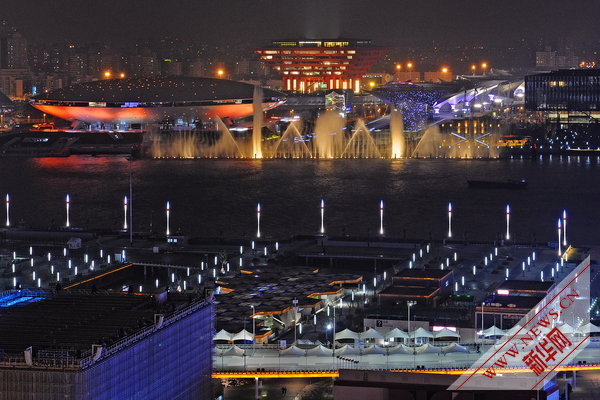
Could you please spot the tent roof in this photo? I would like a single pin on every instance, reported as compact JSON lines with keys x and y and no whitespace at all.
{"x":371,"y":333}
{"x":346,"y":334}
{"x":292,"y":351}
{"x":396,"y":333}
{"x":427,"y":348}
{"x":454,"y":348}
{"x":446,"y":333}
{"x":493,"y":331}
{"x":420,"y":332}
{"x":319,"y":350}
{"x":347,"y":349}
{"x":400,"y":349}
{"x":233,"y":351}
{"x":373,"y":350}
{"x":243,"y":335}
{"x":223,"y":335}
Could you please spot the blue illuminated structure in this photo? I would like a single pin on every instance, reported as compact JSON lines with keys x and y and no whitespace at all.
{"x":12,"y":298}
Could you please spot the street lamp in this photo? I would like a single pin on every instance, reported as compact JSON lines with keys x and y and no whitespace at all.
{"x":107,"y":74}
{"x":220,"y":72}
{"x":409,"y":304}
{"x":253,"y":331}
{"x":409,"y":65}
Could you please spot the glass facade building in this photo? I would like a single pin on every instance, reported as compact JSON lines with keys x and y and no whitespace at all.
{"x":171,"y":359}
{"x":576,"y":90}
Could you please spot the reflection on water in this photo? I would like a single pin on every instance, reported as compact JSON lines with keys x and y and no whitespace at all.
{"x":218,"y":197}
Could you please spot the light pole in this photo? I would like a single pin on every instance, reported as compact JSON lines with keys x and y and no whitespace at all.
{"x":67,"y":205}
{"x":381,"y":217}
{"x":258,"y":220}
{"x":168,"y":210}
{"x":409,"y":304}
{"x":482,"y":304}
{"x":449,"y":220}
{"x":125,"y":213}
{"x":564,"y":218}
{"x":295,"y":302}
{"x":507,"y":222}
{"x":322,"y":216}
{"x":7,"y":209}
{"x":253,"y":331}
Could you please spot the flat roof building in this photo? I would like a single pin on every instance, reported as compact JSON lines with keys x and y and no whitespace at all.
{"x":85,"y":345}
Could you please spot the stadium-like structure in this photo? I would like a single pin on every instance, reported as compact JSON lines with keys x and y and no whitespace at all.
{"x":151,"y":100}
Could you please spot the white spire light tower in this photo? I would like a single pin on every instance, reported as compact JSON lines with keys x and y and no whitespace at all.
{"x":258,"y":220}
{"x":381,"y":217}
{"x":68,"y":205}
{"x":507,"y":222}
{"x":564,"y":226}
{"x":322,"y":216}
{"x":125,"y":213}
{"x":559,"y":238}
{"x":7,"y":209}
{"x":168,"y":210}
{"x":449,"y":220}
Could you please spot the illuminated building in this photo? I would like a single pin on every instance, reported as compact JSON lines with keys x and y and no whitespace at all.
{"x":310,"y":65}
{"x":152,"y":100}
{"x":79,"y":345}
{"x":563,"y":90}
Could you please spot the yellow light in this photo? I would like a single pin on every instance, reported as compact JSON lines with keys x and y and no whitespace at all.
{"x":445,"y":70}
{"x":409,"y":65}
{"x":372,"y":84}
{"x":122,"y":75}
{"x":398,"y":66}
{"x":220,"y":72}
{"x":484,"y":65}
{"x":107,"y":74}
{"x":473,"y":67}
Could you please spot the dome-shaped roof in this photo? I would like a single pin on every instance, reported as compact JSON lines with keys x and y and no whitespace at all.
{"x":155,"y":89}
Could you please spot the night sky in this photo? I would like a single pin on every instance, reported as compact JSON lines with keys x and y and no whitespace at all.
{"x":257,"y":22}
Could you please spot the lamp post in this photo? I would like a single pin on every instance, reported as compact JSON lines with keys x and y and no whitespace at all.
{"x":507,"y":222}
{"x":253,"y":331}
{"x":409,"y":304}
{"x":295,"y":302}
{"x":381,"y":217}
{"x":564,"y":219}
{"x":7,"y":209}
{"x":258,"y":220}
{"x":168,"y":211}
{"x":559,"y":239}
{"x":482,"y":304}
{"x":449,"y":220}
{"x":322,"y":216}
{"x":67,"y":206}
{"x":125,"y":213}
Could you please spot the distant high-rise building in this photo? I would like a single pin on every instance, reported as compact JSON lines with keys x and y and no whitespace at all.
{"x":13,"y":48}
{"x":552,"y":59}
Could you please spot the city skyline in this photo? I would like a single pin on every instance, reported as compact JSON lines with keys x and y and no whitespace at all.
{"x":220,"y":23}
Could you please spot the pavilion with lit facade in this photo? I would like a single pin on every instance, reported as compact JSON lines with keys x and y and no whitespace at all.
{"x":310,"y":65}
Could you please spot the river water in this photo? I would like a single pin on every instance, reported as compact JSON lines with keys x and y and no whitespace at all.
{"x":218,"y":197}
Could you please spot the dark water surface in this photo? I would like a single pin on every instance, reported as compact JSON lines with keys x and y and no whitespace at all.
{"x":218,"y":197}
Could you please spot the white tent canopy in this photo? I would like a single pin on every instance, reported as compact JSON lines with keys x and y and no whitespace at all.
{"x":292,"y":351}
{"x":233,"y":351}
{"x":427,"y":349}
{"x":223,"y":335}
{"x":371,"y":334}
{"x":347,"y":349}
{"x":421,"y":333}
{"x":446,"y":333}
{"x":373,"y":350}
{"x":454,"y":348}
{"x":566,"y":328}
{"x":589,"y":327}
{"x":243,"y":335}
{"x":319,"y":350}
{"x":396,"y":334}
{"x":400,"y":349}
{"x":493,"y":331}
{"x":346,"y":334}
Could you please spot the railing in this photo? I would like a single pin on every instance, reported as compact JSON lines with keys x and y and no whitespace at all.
{"x":87,"y":358}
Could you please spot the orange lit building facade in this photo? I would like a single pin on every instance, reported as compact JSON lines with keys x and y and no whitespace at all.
{"x":310,"y":65}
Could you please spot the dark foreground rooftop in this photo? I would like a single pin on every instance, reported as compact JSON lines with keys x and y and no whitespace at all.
{"x":73,"y":321}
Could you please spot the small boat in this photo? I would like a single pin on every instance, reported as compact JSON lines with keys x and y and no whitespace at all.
{"x":508,"y":184}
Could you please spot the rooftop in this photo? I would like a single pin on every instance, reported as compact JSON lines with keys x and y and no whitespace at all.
{"x":75,"y":320}
{"x":155,"y":89}
{"x":526,"y":286}
{"x":422,"y":274}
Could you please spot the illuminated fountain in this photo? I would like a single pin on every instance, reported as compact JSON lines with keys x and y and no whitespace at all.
{"x":257,"y":123}
{"x":291,"y":144}
{"x":430,"y":144}
{"x":397,"y":134}
{"x":329,"y":141}
{"x":226,"y":146}
{"x":361,"y":143}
